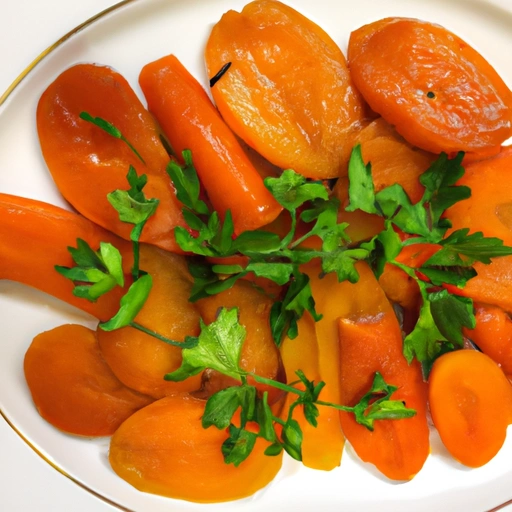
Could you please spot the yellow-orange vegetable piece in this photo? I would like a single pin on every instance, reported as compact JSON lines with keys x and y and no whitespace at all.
{"x":471,"y":405}
{"x":139,"y":360}
{"x":260,"y":354}
{"x":493,"y":335}
{"x":438,"y":92}
{"x":72,"y":386}
{"x":489,"y":210}
{"x":321,"y":445}
{"x":87,"y":163}
{"x":163,"y":449}
{"x":288,"y":93}
{"x":190,"y":121}
{"x":371,"y":341}
{"x":35,"y":237}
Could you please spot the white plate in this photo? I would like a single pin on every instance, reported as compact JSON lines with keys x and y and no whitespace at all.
{"x":126,"y":39}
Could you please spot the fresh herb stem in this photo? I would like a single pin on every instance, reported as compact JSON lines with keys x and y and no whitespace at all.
{"x":188,"y":343}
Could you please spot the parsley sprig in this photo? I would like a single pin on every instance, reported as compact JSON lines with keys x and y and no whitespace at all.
{"x":219,"y":347}
{"x":442,"y":314}
{"x":269,"y":256}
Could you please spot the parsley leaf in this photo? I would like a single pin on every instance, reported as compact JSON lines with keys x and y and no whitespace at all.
{"x":96,"y":272}
{"x":110,"y":129}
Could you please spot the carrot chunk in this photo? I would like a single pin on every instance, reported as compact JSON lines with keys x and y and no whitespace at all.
{"x":72,"y":386}
{"x":471,"y":404}
{"x":190,"y":121}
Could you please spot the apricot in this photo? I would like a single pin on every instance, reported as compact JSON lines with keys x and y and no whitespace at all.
{"x":163,"y":449}
{"x":72,"y":386}
{"x":288,"y":93}
{"x":139,"y":360}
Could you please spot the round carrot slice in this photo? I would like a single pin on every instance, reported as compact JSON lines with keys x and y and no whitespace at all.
{"x":439,"y":92}
{"x":72,"y":386}
{"x":471,"y":404}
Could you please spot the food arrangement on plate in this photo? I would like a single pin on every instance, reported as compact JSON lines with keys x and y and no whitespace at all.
{"x":319,"y":256}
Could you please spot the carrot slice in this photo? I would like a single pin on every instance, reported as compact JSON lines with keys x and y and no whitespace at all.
{"x":259,"y":352}
{"x":438,"y":92}
{"x":35,"y":237}
{"x":288,"y":93}
{"x":190,"y":121}
{"x":471,"y":404}
{"x":163,"y":449}
{"x":493,"y":335}
{"x":139,"y":360}
{"x":371,"y":341}
{"x":87,"y":163}
{"x":321,"y":445}
{"x":72,"y":386}
{"x":489,"y":210}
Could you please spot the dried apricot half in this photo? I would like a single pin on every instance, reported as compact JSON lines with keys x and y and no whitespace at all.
{"x":438,"y":92}
{"x":288,"y":92}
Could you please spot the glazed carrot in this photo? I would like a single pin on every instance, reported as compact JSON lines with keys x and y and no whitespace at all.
{"x":87,"y":163}
{"x":190,"y":121}
{"x":35,"y":237}
{"x":397,"y":285}
{"x":471,"y":405}
{"x":288,"y":93}
{"x":139,"y":360}
{"x":493,"y":335}
{"x":438,"y":92}
{"x":489,"y":210}
{"x":259,"y":352}
{"x":321,"y":445}
{"x":370,"y":341}
{"x":72,"y":386}
{"x":163,"y":449}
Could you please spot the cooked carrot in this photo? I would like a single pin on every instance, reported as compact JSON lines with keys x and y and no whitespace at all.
{"x":322,"y":445}
{"x":35,"y":237}
{"x":288,"y":93}
{"x":370,"y":341}
{"x":190,"y":121}
{"x":163,"y":449}
{"x":471,"y":404}
{"x":139,"y":360}
{"x":493,"y":335}
{"x":259,"y":352}
{"x":438,"y":92}
{"x":397,"y":285}
{"x":87,"y":163}
{"x":489,"y":210}
{"x":72,"y":386}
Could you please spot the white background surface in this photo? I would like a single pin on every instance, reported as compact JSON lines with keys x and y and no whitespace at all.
{"x":27,"y":483}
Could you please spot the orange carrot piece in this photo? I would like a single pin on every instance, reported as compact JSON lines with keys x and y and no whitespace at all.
{"x":321,"y":445}
{"x":87,"y":163}
{"x":489,"y":210}
{"x":371,"y":341}
{"x":163,"y":449}
{"x":190,"y":121}
{"x":259,"y":352}
{"x":439,"y":92}
{"x":139,"y":360}
{"x":471,"y":404}
{"x":493,"y":335}
{"x":35,"y":237}
{"x":72,"y":386}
